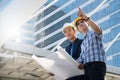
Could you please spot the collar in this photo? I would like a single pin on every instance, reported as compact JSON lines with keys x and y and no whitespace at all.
{"x":74,"y":41}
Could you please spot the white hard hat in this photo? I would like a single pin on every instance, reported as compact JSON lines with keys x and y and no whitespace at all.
{"x":66,"y":25}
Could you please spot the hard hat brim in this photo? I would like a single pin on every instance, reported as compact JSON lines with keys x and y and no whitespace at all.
{"x":76,"y":20}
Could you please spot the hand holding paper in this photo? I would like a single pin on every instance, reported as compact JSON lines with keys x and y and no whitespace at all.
{"x":60,"y":64}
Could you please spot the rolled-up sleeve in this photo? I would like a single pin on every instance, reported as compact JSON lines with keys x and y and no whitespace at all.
{"x":98,"y":35}
{"x":80,"y":60}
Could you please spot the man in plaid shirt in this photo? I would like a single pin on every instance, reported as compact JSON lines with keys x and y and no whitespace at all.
{"x":92,"y":57}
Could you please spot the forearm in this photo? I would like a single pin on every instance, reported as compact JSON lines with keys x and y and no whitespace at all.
{"x":94,"y":26}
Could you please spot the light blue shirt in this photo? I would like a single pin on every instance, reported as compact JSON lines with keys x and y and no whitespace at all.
{"x":71,"y":50}
{"x":92,"y":48}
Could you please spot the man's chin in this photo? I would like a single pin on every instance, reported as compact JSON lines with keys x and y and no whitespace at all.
{"x":70,"y":38}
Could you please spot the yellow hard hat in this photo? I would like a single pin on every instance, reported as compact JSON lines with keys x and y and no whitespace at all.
{"x":78,"y":19}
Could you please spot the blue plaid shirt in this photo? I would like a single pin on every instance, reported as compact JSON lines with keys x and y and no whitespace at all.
{"x":92,"y":48}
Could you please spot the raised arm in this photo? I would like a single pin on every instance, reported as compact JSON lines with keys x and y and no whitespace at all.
{"x":90,"y":22}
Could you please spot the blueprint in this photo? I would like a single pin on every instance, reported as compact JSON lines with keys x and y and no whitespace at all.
{"x":60,"y":64}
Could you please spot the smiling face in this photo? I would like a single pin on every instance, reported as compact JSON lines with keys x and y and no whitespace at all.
{"x":82,"y":25}
{"x":69,"y":33}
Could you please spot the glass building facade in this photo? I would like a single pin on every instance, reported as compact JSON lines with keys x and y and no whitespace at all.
{"x":54,"y":13}
{"x":25,"y":34}
{"x":4,"y":4}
